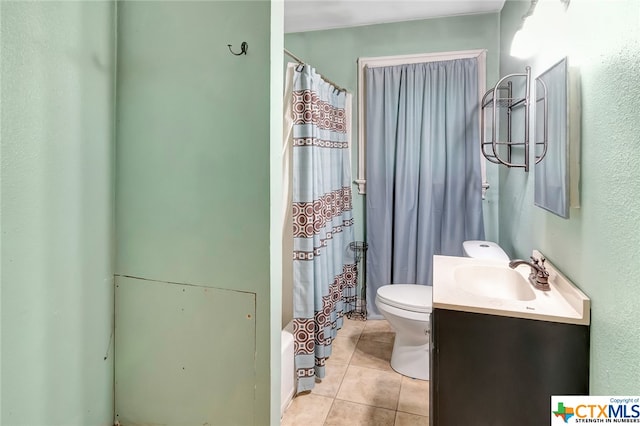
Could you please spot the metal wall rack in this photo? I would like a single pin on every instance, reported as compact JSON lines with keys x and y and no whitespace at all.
{"x":504,"y":96}
{"x":358,"y":303}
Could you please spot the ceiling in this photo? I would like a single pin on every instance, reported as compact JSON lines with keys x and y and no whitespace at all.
{"x":311,"y":15}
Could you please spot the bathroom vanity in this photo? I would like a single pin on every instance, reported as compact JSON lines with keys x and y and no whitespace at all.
{"x":500,"y":350}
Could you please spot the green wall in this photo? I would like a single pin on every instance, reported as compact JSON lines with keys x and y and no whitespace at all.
{"x":188,"y":358}
{"x":193,"y":149}
{"x":598,"y":246}
{"x":57,"y":212}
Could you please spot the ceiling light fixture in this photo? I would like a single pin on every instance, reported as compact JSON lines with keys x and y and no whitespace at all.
{"x":542,"y":27}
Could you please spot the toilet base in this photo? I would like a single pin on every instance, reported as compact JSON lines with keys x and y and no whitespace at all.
{"x":409,"y":359}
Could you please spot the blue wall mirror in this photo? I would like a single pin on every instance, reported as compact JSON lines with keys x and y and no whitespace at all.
{"x":557,"y":121}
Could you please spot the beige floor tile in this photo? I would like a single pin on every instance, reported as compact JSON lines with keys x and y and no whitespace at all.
{"x":373,"y":354}
{"x":414,"y":396}
{"x":308,"y":410}
{"x":379,"y":331}
{"x":351,"y":328}
{"x":344,"y":413}
{"x":370,"y":387}
{"x":334,"y":373}
{"x":406,"y":419}
{"x":360,"y":387}
{"x":342,"y":349}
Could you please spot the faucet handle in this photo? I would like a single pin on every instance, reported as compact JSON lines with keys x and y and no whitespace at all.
{"x":544,"y":270}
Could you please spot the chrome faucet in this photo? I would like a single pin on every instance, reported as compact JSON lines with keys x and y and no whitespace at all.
{"x":539,"y":276}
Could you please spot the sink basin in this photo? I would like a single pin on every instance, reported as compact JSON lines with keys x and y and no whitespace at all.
{"x":486,"y":286}
{"x":499,"y":282}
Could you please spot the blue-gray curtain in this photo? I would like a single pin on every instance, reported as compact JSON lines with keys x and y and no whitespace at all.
{"x":423,"y":169}
{"x":324,"y":269}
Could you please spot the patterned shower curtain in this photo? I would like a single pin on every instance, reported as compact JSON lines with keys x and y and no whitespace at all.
{"x":324,"y":269}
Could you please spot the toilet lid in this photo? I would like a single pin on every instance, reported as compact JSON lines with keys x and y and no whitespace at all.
{"x":411,"y":297}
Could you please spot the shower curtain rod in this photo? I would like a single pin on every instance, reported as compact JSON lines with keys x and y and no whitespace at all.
{"x":301,"y":62}
{"x":298,"y":60}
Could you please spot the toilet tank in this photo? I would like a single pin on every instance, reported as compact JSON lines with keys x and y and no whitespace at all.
{"x":484,"y":250}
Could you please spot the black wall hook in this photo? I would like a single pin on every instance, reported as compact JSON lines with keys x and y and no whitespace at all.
{"x":243,"y":49}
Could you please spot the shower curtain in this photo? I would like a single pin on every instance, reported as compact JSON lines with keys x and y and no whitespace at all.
{"x":324,"y":269}
{"x":423,"y":169}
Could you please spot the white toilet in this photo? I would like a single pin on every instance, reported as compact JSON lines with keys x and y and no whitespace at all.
{"x":407,"y":307}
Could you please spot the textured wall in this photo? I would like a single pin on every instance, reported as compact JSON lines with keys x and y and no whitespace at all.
{"x":334,"y":53}
{"x":597,"y":247}
{"x":177,"y":366}
{"x":57,"y":212}
{"x":192,"y":166}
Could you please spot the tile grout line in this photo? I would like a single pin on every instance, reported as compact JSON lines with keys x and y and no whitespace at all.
{"x":335,"y":397}
{"x":395,"y":412}
{"x":326,"y":418}
{"x":357,"y":337}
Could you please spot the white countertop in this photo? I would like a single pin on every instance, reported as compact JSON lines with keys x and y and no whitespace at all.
{"x":564,"y":303}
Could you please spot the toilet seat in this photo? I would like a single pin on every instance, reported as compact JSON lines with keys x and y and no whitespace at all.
{"x":408,"y":297}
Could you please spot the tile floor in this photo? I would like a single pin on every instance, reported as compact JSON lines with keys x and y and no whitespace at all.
{"x":360,"y":387}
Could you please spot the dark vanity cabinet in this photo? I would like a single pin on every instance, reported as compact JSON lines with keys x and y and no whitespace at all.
{"x":490,"y":370}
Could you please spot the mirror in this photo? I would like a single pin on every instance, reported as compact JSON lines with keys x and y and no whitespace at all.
{"x":557,"y":127}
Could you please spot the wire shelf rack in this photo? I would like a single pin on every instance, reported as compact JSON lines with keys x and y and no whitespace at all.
{"x":358,"y":304}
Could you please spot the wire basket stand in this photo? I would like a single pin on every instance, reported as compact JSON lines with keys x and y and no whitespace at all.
{"x":359,"y":301}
